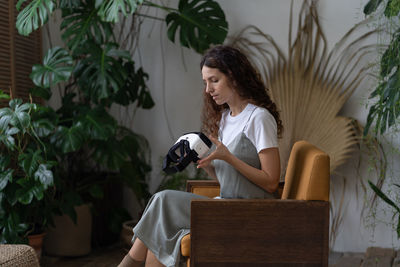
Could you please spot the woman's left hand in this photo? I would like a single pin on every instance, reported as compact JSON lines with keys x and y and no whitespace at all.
{"x":221,"y":152}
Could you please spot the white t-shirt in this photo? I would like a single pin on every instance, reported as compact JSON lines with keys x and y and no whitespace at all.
{"x":257,"y":123}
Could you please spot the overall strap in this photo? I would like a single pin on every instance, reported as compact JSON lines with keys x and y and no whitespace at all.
{"x":248,"y":120}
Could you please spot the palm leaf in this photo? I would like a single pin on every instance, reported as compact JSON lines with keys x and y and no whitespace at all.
{"x":310,"y":85}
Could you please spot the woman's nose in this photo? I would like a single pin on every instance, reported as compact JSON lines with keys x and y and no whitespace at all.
{"x":208,"y":88}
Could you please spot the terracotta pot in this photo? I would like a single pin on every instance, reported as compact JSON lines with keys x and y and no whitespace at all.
{"x":67,"y":238}
{"x":127,"y":232}
{"x":36,"y":241}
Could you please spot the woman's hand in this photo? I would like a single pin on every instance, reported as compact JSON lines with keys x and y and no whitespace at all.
{"x":221,"y":152}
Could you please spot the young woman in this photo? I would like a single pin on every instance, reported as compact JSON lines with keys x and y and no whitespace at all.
{"x":242,"y":121}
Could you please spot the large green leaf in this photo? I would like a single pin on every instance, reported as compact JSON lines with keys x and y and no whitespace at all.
{"x":5,"y":177}
{"x":110,"y":153}
{"x":135,"y":88}
{"x":68,"y":139}
{"x":383,"y":196}
{"x":30,"y":160}
{"x":371,"y":6}
{"x":5,"y":118}
{"x":4,"y":95}
{"x":101,"y":74}
{"x":41,"y":92}
{"x":98,"y":124}
{"x":29,"y":190}
{"x":34,"y":15}
{"x":4,"y":161}
{"x":44,"y":176}
{"x":81,"y":24}
{"x":201,"y":23}
{"x":57,"y":66}
{"x":109,"y":9}
{"x":7,"y":139}
{"x":44,"y":121}
{"x":17,"y":115}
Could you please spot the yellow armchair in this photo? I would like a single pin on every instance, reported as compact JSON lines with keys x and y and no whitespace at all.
{"x":290,"y":231}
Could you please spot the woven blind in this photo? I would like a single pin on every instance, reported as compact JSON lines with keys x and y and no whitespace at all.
{"x":17,"y":53}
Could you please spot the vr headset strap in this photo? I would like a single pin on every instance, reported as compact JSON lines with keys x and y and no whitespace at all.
{"x":181,"y":161}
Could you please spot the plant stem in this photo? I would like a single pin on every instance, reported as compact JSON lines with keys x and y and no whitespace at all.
{"x":168,"y":9}
{"x":148,"y":16}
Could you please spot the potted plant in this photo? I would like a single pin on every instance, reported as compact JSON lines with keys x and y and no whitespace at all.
{"x":26,"y":177}
{"x":89,"y":144}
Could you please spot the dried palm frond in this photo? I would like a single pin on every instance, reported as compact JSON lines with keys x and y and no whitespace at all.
{"x":310,"y":85}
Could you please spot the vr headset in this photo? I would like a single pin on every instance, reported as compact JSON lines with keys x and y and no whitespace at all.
{"x":189,"y":148}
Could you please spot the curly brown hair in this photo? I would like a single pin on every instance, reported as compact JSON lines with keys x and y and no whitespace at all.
{"x":248,"y":84}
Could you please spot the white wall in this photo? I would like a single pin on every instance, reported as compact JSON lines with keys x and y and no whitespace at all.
{"x":177,"y":94}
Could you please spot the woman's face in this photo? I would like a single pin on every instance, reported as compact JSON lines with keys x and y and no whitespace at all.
{"x":217,"y":85}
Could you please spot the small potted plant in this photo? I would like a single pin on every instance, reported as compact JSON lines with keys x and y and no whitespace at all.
{"x":26,"y":178}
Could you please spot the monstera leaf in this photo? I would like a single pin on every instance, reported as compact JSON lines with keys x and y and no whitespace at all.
{"x":101,"y":73}
{"x":34,"y":15}
{"x":68,"y":139}
{"x":201,"y":23}
{"x":98,"y":124}
{"x":109,"y":9}
{"x":81,"y":24}
{"x":57,"y":66}
{"x":135,"y":88}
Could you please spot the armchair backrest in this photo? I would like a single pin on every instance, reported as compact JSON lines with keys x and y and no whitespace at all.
{"x":307,"y":174}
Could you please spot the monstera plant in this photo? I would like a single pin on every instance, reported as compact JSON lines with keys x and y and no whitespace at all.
{"x":93,"y":72}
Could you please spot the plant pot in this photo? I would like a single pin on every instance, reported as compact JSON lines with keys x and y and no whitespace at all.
{"x":69,"y":239}
{"x":127,"y":232}
{"x":36,"y":241}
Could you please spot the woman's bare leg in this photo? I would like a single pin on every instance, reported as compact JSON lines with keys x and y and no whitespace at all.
{"x":138,"y":250}
{"x":152,"y":261}
{"x":136,"y":255}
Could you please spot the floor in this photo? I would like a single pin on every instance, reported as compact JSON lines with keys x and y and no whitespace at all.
{"x":104,"y":257}
{"x":112,"y":255}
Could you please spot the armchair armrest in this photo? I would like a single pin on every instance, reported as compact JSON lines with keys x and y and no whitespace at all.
{"x":259,"y":232}
{"x":208,"y":188}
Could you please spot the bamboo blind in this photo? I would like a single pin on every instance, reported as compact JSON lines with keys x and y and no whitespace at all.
{"x":17,"y":53}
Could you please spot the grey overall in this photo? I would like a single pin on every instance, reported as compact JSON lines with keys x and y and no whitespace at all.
{"x":166,"y":218}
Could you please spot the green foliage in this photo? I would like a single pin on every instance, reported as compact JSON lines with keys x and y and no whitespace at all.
{"x":201,"y":23}
{"x":81,"y":23}
{"x":57,"y":67}
{"x":385,"y":111}
{"x":34,"y":15}
{"x":87,"y":142}
{"x":25,"y":174}
{"x":109,"y":10}
{"x":390,"y":202}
